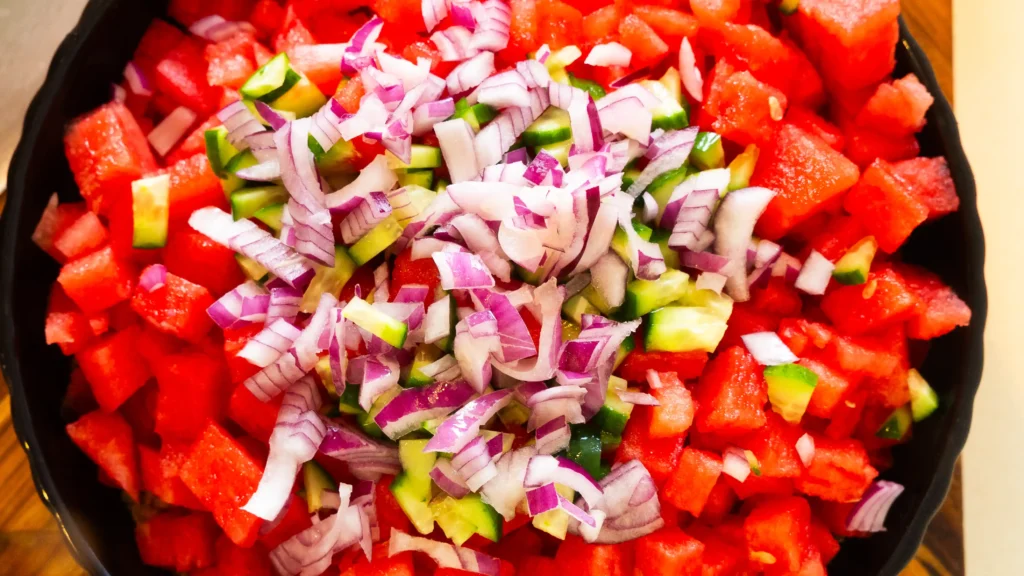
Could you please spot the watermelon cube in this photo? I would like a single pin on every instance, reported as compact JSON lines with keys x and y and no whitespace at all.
{"x":745,"y":319}
{"x":940,"y":309}
{"x":668,"y":552}
{"x":194,"y":143}
{"x":154,"y":344}
{"x":930,"y":182}
{"x":193,"y":186}
{"x":177,"y":308}
{"x":781,"y":528}
{"x":840,"y":471}
{"x":234,"y":560}
{"x":674,"y":414}
{"x":864,"y":354}
{"x":671,"y":25}
{"x":523,"y":30}
{"x":78,"y":398}
{"x":294,"y":519}
{"x":645,"y":44}
{"x":686,"y":365}
{"x":715,"y":13}
{"x":853,"y":42}
{"x":584,"y":559}
{"x":181,"y":76}
{"x":224,"y":476}
{"x":188,"y":11}
{"x":806,"y":120}
{"x":57,"y":217}
{"x":865,"y":146}
{"x":266,"y":16}
{"x":823,"y":540}
{"x":69,"y":327}
{"x":321,"y":68}
{"x":897,"y":108}
{"x":183,"y":411}
{"x":83,"y":236}
{"x":232,"y":61}
{"x":774,"y":445}
{"x":293,"y":31}
{"x":832,"y":387}
{"x":97,"y":281}
{"x":731,"y":394}
{"x":805,"y":172}
{"x":106,"y":151}
{"x":160,"y":38}
{"x":722,"y":556}
{"x":234,"y":341}
{"x":658,"y":455}
{"x":160,"y":476}
{"x":720,"y":503}
{"x":107,"y":439}
{"x":693,"y":480}
{"x":757,"y":487}
{"x":840,"y":233}
{"x":776,"y":298}
{"x":740,"y":107}
{"x":183,"y":542}
{"x":196,"y":258}
{"x":886,"y":206}
{"x":884,"y":301}
{"x":114,"y":368}
{"x":254,"y":416}
{"x":139,"y":411}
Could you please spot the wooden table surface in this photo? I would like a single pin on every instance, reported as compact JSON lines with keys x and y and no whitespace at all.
{"x":30,"y":543}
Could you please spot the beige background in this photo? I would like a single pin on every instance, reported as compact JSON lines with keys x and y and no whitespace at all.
{"x":989,"y":88}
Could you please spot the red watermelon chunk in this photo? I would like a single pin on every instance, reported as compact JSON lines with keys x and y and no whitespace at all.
{"x":930,"y":182}
{"x":55,"y":219}
{"x":668,"y":551}
{"x":183,"y":542}
{"x":114,"y":368}
{"x":715,"y":13}
{"x":731,"y":394}
{"x":745,"y":319}
{"x":693,"y":480}
{"x":897,"y":108}
{"x":823,"y":540}
{"x":939,"y":311}
{"x":160,"y":477}
{"x":154,"y":344}
{"x":106,"y":151}
{"x":774,"y":445}
{"x":853,"y":42}
{"x":865,"y":146}
{"x":294,"y":519}
{"x":720,"y":502}
{"x":177,"y":308}
{"x":686,"y":365}
{"x":777,"y":298}
{"x":181,"y":75}
{"x":266,"y":16}
{"x":160,"y":38}
{"x":885,"y":300}
{"x":234,"y":560}
{"x":674,"y":413}
{"x":840,"y":233}
{"x":840,"y":471}
{"x":198,"y":259}
{"x":252,"y":414}
{"x":97,"y":281}
{"x":740,"y":107}
{"x":193,"y":391}
{"x":658,"y":455}
{"x":886,"y":206}
{"x":805,"y":172}
{"x":721,"y":557}
{"x":193,"y":186}
{"x":69,"y":327}
{"x":865,"y":354}
{"x":781,"y":528}
{"x":194,"y":143}
{"x":107,"y":439}
{"x":832,"y":387}
{"x":671,"y":25}
{"x":232,"y":61}
{"x":645,"y":44}
{"x":577,"y":557}
{"x":83,"y":236}
{"x":224,"y":476}
{"x":188,"y":11}
{"x":234,"y":341}
{"x":811,"y":123}
{"x":759,"y":486}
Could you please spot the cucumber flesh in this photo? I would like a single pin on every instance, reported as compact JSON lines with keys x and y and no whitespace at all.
{"x":551,"y":127}
{"x":367,"y":420}
{"x":560,"y":150}
{"x":853,"y":267}
{"x":426,"y":354}
{"x":630,"y":174}
{"x":420,"y":178}
{"x":718,"y":304}
{"x":412,"y":488}
{"x":555,"y":522}
{"x":670,"y":114}
{"x":218,"y":150}
{"x":664,"y":184}
{"x":593,"y":88}
{"x":328,"y":280}
{"x":150,"y":211}
{"x":272,"y":80}
{"x":585,"y":448}
{"x":627,"y":346}
{"x":247,"y":201}
{"x":476,"y":115}
{"x":252,"y":269}
{"x":790,"y":387}
{"x":461,"y":518}
{"x":574,"y":308}
{"x":923,"y":399}
{"x":742,"y":167}
{"x":660,"y":237}
{"x":337,"y":160}
{"x":376,"y":241}
{"x":302,"y":99}
{"x":645,"y":296}
{"x":897,"y":425}
{"x":708,"y":152}
{"x":422,"y":156}
{"x":620,"y":241}
{"x":683,"y":329}
{"x":348,"y":402}
{"x":614,"y":414}
{"x":376,"y":322}
{"x":229,"y":181}
{"x":315,"y":480}
{"x":271,"y":216}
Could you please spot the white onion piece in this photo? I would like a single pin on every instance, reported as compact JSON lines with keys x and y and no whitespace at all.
{"x":374,"y":177}
{"x":492,"y":29}
{"x":310,"y":552}
{"x":691,"y":76}
{"x":471,"y":73}
{"x":454,"y":43}
{"x":457,"y":146}
{"x":768,"y":349}
{"x":805,"y":448}
{"x":171,"y":129}
{"x":815,"y":274}
{"x":505,"y":491}
{"x":735,"y":464}
{"x":609,"y":276}
{"x":711,"y":281}
{"x":610,"y":54}
{"x":434,"y":11}
{"x":734,"y":225}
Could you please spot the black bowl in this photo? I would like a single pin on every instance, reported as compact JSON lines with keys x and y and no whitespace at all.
{"x":98,"y":527}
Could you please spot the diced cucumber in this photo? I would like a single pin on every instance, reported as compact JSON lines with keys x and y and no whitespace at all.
{"x":328,"y":280}
{"x":660,"y":237}
{"x":302,"y":99}
{"x":412,"y":488}
{"x":230,"y":182}
{"x":272,"y":80}
{"x":422,"y":156}
{"x":348,"y":402}
{"x":620,"y":241}
{"x":366,"y":420}
{"x":790,"y":387}
{"x":315,"y":480}
{"x":753,"y":462}
{"x":323,"y":371}
{"x":897,"y":425}
{"x":664,"y":184}
{"x":708,"y":152}
{"x":629,"y":175}
{"x":422,"y":178}
{"x":853,"y":267}
{"x":742,"y":167}
{"x":673,"y":83}
{"x":252,"y":269}
{"x":789,"y":7}
{"x":627,"y":346}
{"x":376,"y":241}
{"x":476,"y":115}
{"x":376,"y":322}
{"x":150,"y":211}
{"x":337,"y":160}
{"x":718,"y":304}
{"x":585,"y":448}
{"x":515,"y":414}
{"x":683,"y":329}
{"x":595,"y":298}
{"x":271,"y":216}
{"x":670,"y":114}
{"x":570,"y":330}
{"x":461,"y":518}
{"x":593,"y":88}
{"x":555,"y":522}
{"x":923,"y":399}
{"x":426,"y":354}
{"x":574,"y":308}
{"x":614,"y":414}
{"x":560,"y":150}
{"x":645,"y":296}
{"x":441,"y":185}
{"x":551,"y":127}
{"x":245,"y":202}
{"x":218,"y":150}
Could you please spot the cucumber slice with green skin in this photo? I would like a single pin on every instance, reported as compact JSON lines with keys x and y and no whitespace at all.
{"x":461,"y":518}
{"x":376,"y":322}
{"x":560,"y":151}
{"x":570,"y":330}
{"x":670,"y":114}
{"x":673,"y":83}
{"x":593,"y":88}
{"x":550,"y":128}
{"x":218,"y":150}
{"x":337,"y":160}
{"x":150,"y":211}
{"x":476,"y":115}
{"x":585,"y":448}
{"x":230,"y":182}
{"x":412,"y":488}
{"x":897,"y":425}
{"x":366,"y":419}
{"x":252,"y":269}
{"x":853,"y":267}
{"x":368,"y":426}
{"x":742,"y":167}
{"x":574,"y":308}
{"x":790,"y":387}
{"x":555,"y":522}
{"x":614,"y":414}
{"x":629,"y":175}
{"x":328,"y":280}
{"x":683,"y":329}
{"x":247,"y":201}
{"x":664,"y":184}
{"x":348,"y":402}
{"x":272,"y":80}
{"x":422,"y":156}
{"x":789,"y":7}
{"x":627,"y":346}
{"x":376,"y":240}
{"x":923,"y":399}
{"x":441,"y":185}
{"x":271,"y":216}
{"x":323,"y":371}
{"x":610,"y":442}
{"x":315,"y":480}
{"x":426,"y":354}
{"x":302,"y":99}
{"x":595,"y":298}
{"x":620,"y":241}
{"x":719,"y":305}
{"x":660,"y":237}
{"x":708,"y":152}
{"x":422,"y":178}
{"x":645,"y":296}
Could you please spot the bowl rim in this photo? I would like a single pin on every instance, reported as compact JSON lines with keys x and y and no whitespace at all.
{"x":74,"y":537}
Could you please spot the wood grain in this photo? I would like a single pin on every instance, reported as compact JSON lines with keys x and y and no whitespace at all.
{"x":31,"y":543}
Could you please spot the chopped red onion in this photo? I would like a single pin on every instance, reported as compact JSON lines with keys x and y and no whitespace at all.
{"x":454,"y":43}
{"x":171,"y":129}
{"x":457,"y":146}
{"x":371,"y":211}
{"x":549,"y":469}
{"x":805,"y":448}
{"x":711,"y":281}
{"x":501,"y":133}
{"x":216,"y":29}
{"x":414,"y":406}
{"x":462,"y":15}
{"x":669,"y":153}
{"x":448,"y":480}
{"x":136,"y":80}
{"x":380,"y":374}
{"x":492,"y":26}
{"x":815,"y":274}
{"x":462,"y":270}
{"x":631,"y":77}
{"x":535,"y":73}
{"x":372,"y":114}
{"x":649,"y":213}
{"x":546,"y":498}
{"x":446,"y":555}
{"x":645,"y":257}
{"x":869,"y":514}
{"x":272,"y":117}
{"x":425,"y":116}
{"x":548,"y":301}
{"x":553,"y":436}
{"x":768,"y":349}
{"x":638,"y":398}
{"x":263,"y":172}
{"x":154,"y":277}
{"x":630,"y":506}
{"x":476,"y":337}
{"x":735,"y":464}
{"x":516,"y":342}
{"x":437,"y":323}
{"x":337,"y":355}
{"x":270,"y":343}
{"x":734,"y":225}
{"x":691,"y":76}
{"x":284,"y":304}
{"x":707,"y":262}
{"x":374,"y":177}
{"x":462,"y":426}
{"x":352,"y":446}
{"x":505,"y":491}
{"x":693,"y":216}
{"x":243,"y":127}
{"x":610,"y":54}
{"x":245,"y":305}
{"x":542,"y":169}
{"x":483,"y":242}
{"x":471,"y":73}
{"x":787,"y":267}
{"x":505,"y":90}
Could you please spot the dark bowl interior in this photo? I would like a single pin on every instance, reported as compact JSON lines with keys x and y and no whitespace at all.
{"x":98,"y":526}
